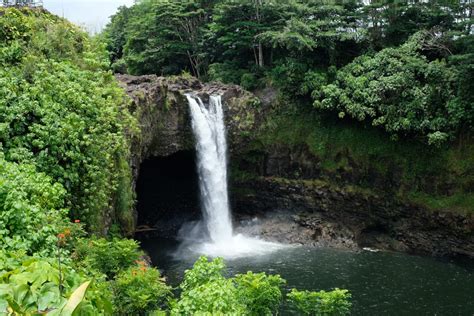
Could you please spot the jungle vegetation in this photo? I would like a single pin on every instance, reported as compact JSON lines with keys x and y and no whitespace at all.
{"x":403,"y":69}
{"x":65,"y":135}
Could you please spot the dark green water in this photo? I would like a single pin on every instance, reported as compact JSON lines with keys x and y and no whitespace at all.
{"x":380,"y":283}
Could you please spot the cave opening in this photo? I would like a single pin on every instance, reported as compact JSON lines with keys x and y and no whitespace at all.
{"x":167,"y":193}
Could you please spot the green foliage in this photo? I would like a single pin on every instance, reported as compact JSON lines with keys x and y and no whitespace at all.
{"x":226,"y":72}
{"x":390,"y":23}
{"x":107,"y":257}
{"x":218,"y":297}
{"x":59,"y":107}
{"x":335,"y":302}
{"x":249,"y":81}
{"x":67,"y":144}
{"x":34,"y":33}
{"x":31,"y":209}
{"x":260,"y":293}
{"x":163,"y":37}
{"x":205,"y":291}
{"x":418,"y":90}
{"x":400,"y":90}
{"x":288,"y":74}
{"x":14,"y":26}
{"x":39,"y":285}
{"x":139,"y":291}
{"x":202,"y":272}
{"x":76,"y":298}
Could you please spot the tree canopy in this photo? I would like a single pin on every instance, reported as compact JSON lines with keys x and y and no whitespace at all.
{"x":404,"y":66}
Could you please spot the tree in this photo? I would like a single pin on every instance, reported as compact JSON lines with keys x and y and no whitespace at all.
{"x":238,"y":24}
{"x":400,"y":90}
{"x":161,"y":36}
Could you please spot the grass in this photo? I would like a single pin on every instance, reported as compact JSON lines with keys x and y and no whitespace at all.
{"x":459,"y":202}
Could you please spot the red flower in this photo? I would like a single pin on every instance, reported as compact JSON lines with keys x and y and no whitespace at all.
{"x":77,"y":221}
{"x":61,"y":236}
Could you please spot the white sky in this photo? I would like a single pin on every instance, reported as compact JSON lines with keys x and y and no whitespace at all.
{"x":91,"y":14}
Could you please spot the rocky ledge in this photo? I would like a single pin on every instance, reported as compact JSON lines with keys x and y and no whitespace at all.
{"x":316,"y":213}
{"x":160,"y":105}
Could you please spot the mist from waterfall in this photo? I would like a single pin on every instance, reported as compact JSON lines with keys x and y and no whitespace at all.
{"x":214,"y":235}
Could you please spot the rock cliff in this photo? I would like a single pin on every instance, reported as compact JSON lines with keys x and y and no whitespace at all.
{"x":160,"y":105}
{"x":287,"y":197}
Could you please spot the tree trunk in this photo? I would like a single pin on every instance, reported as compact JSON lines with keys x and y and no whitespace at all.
{"x":260,"y":54}
{"x":259,"y":3}
{"x":255,"y":56}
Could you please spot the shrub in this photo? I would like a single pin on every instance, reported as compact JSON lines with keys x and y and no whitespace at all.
{"x":203,"y":272}
{"x":207,"y":292}
{"x":59,"y":106}
{"x":335,"y":302}
{"x":401,"y":91}
{"x":249,"y":81}
{"x":218,"y":297}
{"x":107,"y":257}
{"x":288,"y":75}
{"x":60,"y":120}
{"x":30,"y":209}
{"x":139,"y":291}
{"x":260,"y":293}
{"x":14,"y":25}
{"x":227,"y":72}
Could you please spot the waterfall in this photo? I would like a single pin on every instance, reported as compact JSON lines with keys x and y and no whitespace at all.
{"x":211,"y":146}
{"x":214,"y":236}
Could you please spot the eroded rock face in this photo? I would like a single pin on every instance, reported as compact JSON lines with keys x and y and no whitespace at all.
{"x":290,"y":198}
{"x":162,"y":110}
{"x":314,"y":212}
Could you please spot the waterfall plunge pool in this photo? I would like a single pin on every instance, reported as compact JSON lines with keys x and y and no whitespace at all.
{"x":381,"y":283}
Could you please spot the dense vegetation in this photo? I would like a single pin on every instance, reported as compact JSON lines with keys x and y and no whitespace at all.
{"x":59,"y":106}
{"x":404,"y":66}
{"x":65,"y":133}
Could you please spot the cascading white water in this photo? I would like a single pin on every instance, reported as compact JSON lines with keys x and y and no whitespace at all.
{"x":211,"y":146}
{"x":209,"y":129}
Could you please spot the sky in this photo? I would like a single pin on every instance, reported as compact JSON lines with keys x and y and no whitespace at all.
{"x":93,"y":15}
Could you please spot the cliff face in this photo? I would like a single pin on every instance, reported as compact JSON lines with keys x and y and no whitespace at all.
{"x":162,"y":110}
{"x":161,"y":107}
{"x":318,"y":213}
{"x":294,"y":199}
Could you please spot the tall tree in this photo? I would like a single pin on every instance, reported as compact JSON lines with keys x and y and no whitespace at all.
{"x":238,"y":24}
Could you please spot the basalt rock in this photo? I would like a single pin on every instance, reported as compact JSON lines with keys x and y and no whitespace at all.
{"x":321,"y":214}
{"x":290,"y":198}
{"x":160,"y":105}
{"x":161,"y":108}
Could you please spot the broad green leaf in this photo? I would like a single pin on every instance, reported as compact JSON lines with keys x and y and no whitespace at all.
{"x":49,"y":296}
{"x":75,"y":299}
